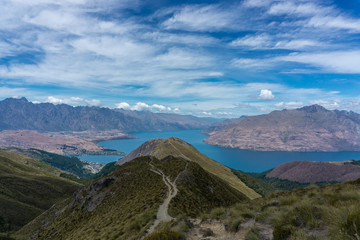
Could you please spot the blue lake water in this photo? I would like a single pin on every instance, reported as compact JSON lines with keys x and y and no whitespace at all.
{"x":245,"y":160}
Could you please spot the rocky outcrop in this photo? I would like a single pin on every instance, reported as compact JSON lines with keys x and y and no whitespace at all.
{"x":312,"y":172}
{"x":311,"y":128}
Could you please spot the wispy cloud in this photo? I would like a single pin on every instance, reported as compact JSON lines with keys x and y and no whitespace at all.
{"x":200,"y":18}
{"x":196,"y":57}
{"x":339,"y":61}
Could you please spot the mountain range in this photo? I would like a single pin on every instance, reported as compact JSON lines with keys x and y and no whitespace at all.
{"x":46,"y":117}
{"x":311,"y":128}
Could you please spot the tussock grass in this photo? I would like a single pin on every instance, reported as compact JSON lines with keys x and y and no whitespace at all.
{"x":315,"y":212}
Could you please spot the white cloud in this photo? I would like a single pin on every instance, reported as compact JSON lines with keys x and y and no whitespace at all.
{"x":289,"y":105}
{"x":335,"y":22}
{"x":180,"y":58}
{"x":207,"y":113}
{"x":291,"y":8}
{"x":160,"y":108}
{"x":265,"y":41}
{"x":328,"y":104}
{"x":75,"y":101}
{"x":200,"y":18}
{"x":123,"y":105}
{"x":141,"y":106}
{"x":254,"y":41}
{"x":266,"y":94}
{"x":257,"y":3}
{"x":335,"y":62}
{"x":186,"y":39}
{"x":252,"y":63}
{"x":297,"y":44}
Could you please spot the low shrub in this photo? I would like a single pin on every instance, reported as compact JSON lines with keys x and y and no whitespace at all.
{"x":165,"y":236}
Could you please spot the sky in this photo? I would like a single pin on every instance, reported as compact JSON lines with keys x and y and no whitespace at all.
{"x":207,"y":58}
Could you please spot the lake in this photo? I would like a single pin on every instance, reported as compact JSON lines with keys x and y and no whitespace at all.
{"x":244,"y":160}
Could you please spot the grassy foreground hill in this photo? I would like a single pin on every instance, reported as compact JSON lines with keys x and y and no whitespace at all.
{"x":161,"y":148}
{"x":124,"y":204}
{"x":312,"y":213}
{"x":28,"y":188}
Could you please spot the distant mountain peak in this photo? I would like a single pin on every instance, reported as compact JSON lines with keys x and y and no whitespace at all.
{"x":313,"y":108}
{"x":310,"y":128}
{"x":22,"y":99}
{"x":163,"y":148}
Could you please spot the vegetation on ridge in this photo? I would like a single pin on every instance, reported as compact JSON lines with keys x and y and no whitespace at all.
{"x":315,"y":212}
{"x":161,"y":148}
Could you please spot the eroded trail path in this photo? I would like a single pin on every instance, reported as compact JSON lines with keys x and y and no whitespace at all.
{"x":162,"y":214}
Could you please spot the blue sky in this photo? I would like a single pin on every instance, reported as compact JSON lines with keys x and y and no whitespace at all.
{"x":207,"y":58}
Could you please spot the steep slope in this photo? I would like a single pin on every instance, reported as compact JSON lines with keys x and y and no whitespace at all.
{"x":311,"y":128}
{"x":72,"y":165}
{"x":28,"y":188}
{"x":126,"y":203}
{"x":221,"y":125}
{"x":161,"y":148}
{"x":312,"y":172}
{"x":21,"y":114}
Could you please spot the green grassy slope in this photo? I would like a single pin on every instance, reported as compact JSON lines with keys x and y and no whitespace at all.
{"x":123,"y":205}
{"x":259,"y":185}
{"x":176,"y":147}
{"x":28,"y":187}
{"x":71,"y":165}
{"x":325,"y":212}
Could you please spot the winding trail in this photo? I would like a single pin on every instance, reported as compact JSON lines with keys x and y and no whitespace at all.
{"x":162,"y":214}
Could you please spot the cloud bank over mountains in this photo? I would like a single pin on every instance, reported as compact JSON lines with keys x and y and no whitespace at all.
{"x":237,"y":57}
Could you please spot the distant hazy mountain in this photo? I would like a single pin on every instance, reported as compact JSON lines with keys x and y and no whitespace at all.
{"x":221,"y":125}
{"x":311,"y":128}
{"x":22,"y":114}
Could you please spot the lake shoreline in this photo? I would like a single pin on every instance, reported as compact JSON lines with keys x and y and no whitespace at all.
{"x":239,"y":159}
